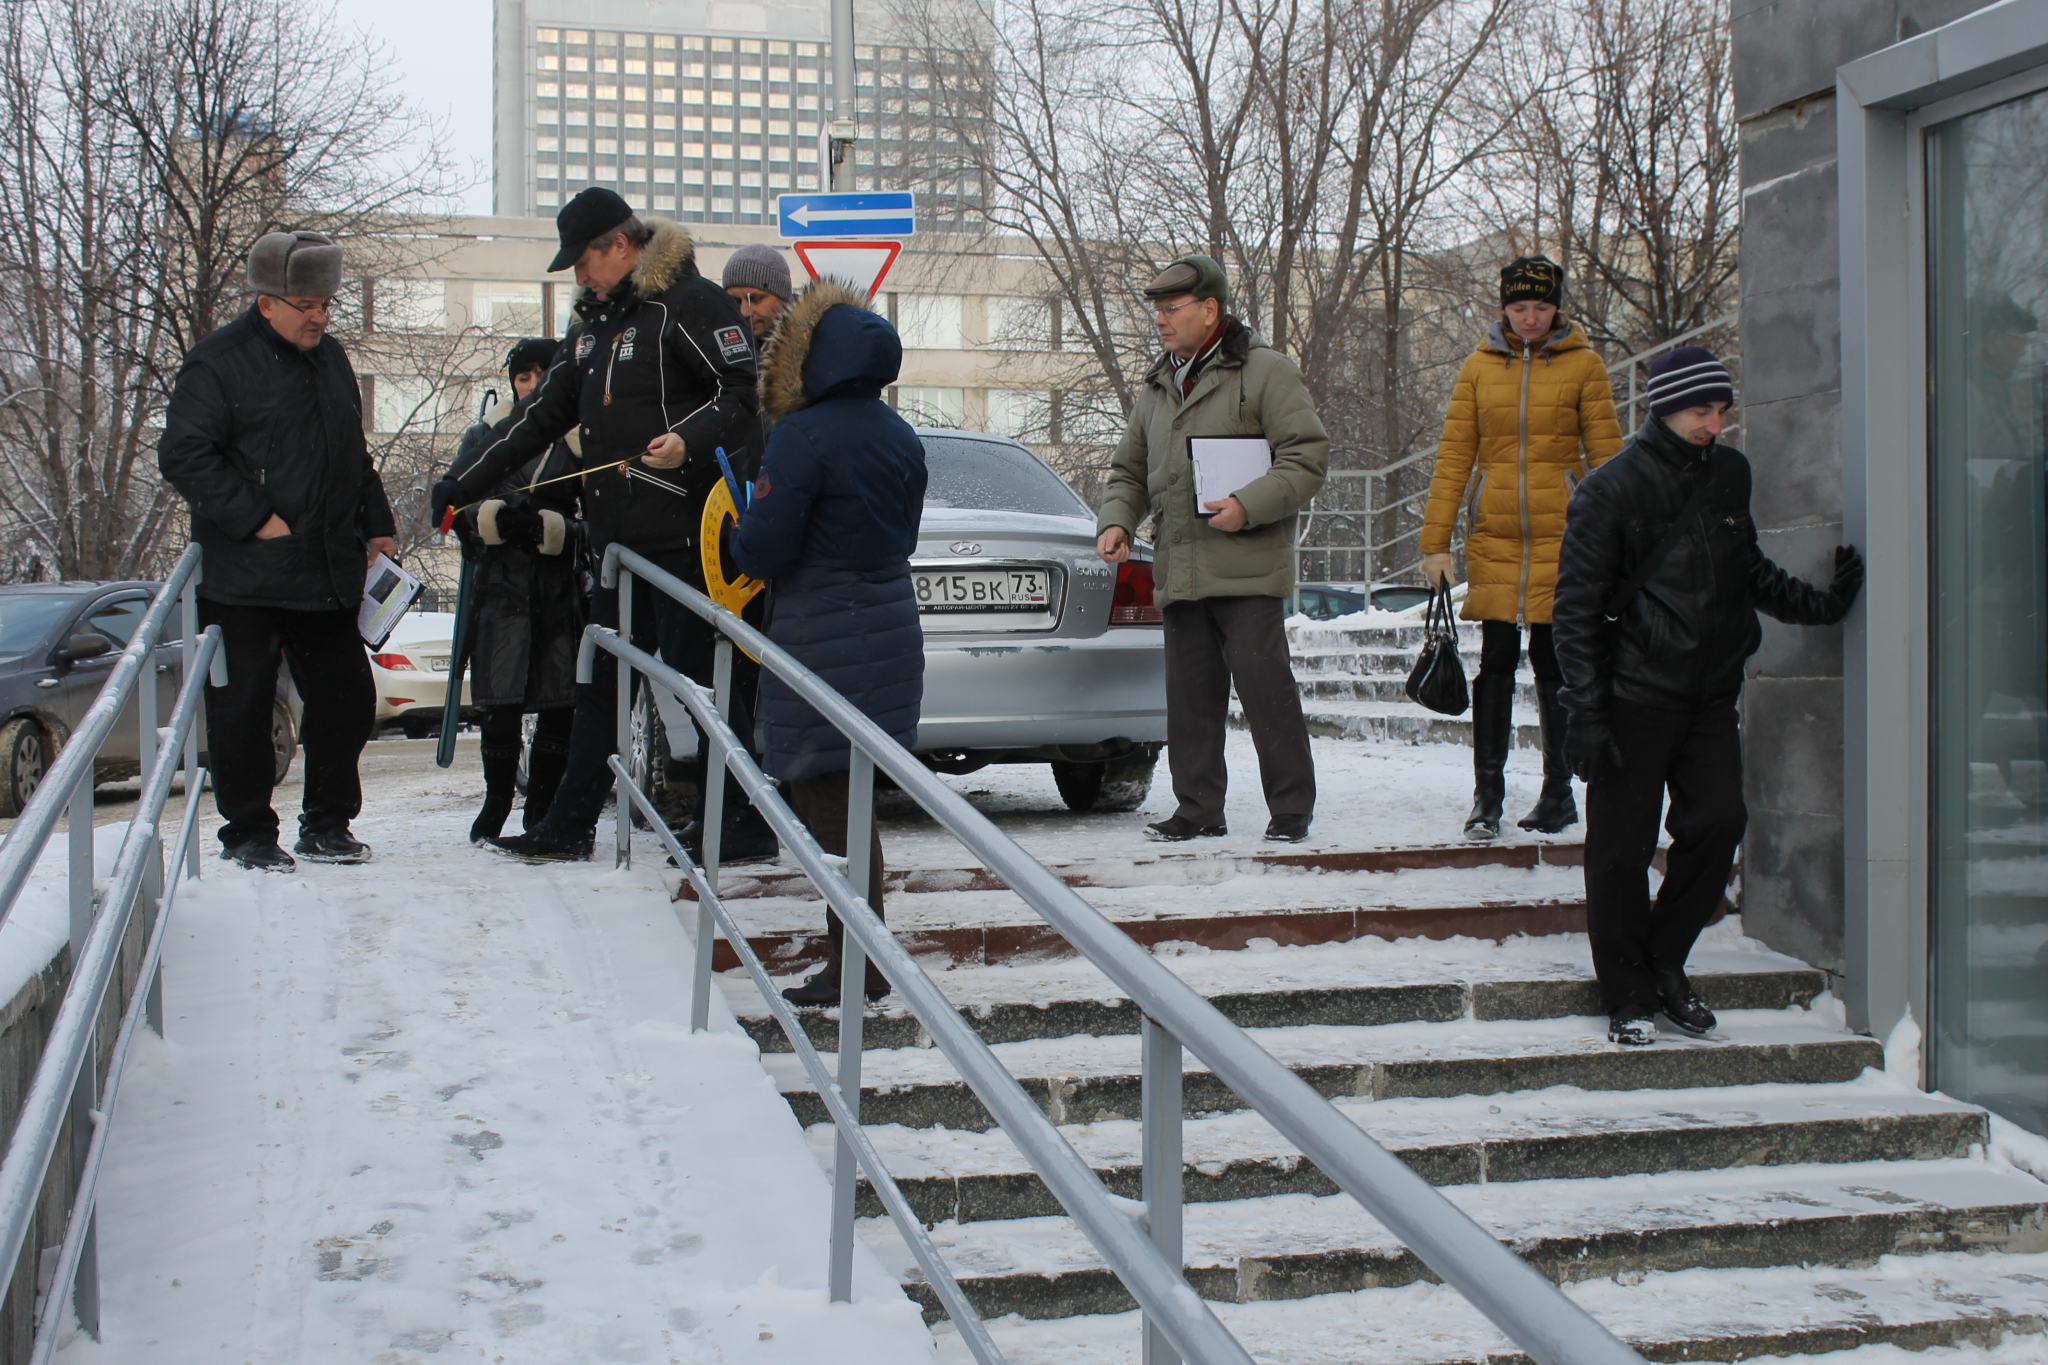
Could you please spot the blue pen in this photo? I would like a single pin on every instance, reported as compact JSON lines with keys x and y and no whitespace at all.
{"x":740,"y":498}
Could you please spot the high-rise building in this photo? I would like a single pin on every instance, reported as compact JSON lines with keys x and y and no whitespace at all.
{"x":705,"y":108}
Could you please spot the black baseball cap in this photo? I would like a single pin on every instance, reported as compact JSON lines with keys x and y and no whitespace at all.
{"x":584,"y":219}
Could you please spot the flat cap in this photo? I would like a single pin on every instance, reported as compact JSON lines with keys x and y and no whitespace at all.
{"x":300,"y":263}
{"x":1192,"y":274}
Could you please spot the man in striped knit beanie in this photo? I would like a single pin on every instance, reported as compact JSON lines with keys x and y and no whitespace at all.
{"x":1659,"y":582}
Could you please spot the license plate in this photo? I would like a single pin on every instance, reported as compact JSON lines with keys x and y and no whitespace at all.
{"x":981,"y":590}
{"x":438,"y":664}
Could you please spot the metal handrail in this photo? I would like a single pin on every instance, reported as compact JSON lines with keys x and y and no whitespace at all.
{"x":1526,"y":1306}
{"x":66,"y":1082}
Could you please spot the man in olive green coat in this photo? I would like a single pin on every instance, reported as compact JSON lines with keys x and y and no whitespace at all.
{"x":1221,"y":572}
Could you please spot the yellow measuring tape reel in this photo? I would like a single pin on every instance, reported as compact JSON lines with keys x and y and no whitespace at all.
{"x":723,"y":583}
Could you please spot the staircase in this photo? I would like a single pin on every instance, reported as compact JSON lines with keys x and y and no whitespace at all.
{"x":1352,"y":680}
{"x":1769,"y":1191}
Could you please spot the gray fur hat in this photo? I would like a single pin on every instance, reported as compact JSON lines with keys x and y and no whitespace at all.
{"x":759,"y":267}
{"x":295,"y":263}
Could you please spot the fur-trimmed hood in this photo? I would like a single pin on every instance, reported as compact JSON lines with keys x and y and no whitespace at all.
{"x":669,"y":255}
{"x":811,"y":356}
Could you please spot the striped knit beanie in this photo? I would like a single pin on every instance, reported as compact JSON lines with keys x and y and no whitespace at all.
{"x":1688,"y":377}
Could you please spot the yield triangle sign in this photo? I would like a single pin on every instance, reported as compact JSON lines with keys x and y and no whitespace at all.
{"x":859,"y":265}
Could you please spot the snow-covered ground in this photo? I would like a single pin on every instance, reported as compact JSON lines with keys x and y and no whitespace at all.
{"x":443,"y":1108}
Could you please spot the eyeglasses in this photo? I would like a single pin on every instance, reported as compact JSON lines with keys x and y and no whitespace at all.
{"x":318,"y":308}
{"x":1159,"y":312}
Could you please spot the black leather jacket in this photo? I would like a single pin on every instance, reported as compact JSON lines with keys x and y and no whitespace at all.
{"x":1682,"y":642}
{"x":256,"y":426}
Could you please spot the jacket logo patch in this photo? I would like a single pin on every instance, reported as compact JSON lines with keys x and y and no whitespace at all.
{"x":626,"y":342}
{"x":732,"y":343}
{"x":762,"y":488}
{"x":584,"y":344}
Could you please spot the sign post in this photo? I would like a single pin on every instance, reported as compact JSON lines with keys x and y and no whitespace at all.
{"x":828,"y":219}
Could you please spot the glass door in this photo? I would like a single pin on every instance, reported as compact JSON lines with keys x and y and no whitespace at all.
{"x":1987,"y":226}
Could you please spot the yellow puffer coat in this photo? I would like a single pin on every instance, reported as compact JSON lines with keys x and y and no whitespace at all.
{"x":1519,"y":436}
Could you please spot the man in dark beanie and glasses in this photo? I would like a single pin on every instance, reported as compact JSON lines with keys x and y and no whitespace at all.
{"x":264,"y":437}
{"x":1659,"y":583}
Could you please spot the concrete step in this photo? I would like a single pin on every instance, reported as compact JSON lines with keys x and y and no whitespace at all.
{"x":1296,"y":1247}
{"x":1345,"y":687}
{"x":1400,"y":722}
{"x":1912,"y":1303}
{"x":966,"y":1177}
{"x":1089,"y":1080}
{"x":1104,"y":1013}
{"x":1410,"y":637}
{"x":1371,"y":661}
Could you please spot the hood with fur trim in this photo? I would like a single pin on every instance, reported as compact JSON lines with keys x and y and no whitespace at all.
{"x":809,"y":358}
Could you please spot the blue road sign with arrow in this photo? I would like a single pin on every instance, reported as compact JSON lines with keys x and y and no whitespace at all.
{"x":847,"y":215}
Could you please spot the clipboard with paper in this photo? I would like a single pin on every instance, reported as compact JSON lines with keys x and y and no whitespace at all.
{"x":1225,"y":464}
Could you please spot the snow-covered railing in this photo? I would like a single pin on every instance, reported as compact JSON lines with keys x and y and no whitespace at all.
{"x":67,"y":1082}
{"x":1139,"y":1241}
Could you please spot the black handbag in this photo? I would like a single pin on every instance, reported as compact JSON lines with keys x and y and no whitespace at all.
{"x":1438,"y":679}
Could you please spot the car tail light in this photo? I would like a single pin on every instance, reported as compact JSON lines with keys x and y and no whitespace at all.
{"x":397,"y":663}
{"x":1131,"y":605}
{"x":398,"y":701}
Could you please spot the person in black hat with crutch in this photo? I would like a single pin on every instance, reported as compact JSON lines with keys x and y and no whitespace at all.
{"x":657,"y":373}
{"x":1659,"y":582}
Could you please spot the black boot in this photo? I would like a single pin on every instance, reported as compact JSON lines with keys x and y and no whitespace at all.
{"x":501,"y":771}
{"x":822,"y":990}
{"x":1493,"y":720}
{"x":546,"y":760}
{"x":1555,"y":810}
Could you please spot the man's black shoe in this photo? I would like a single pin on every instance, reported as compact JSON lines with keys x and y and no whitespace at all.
{"x":822,"y":990}
{"x":539,"y":846}
{"x":331,"y":846}
{"x":260,"y":855}
{"x":750,"y":841}
{"x":1631,"y":1028}
{"x":1174,"y":830}
{"x":1288,"y":829}
{"x":1682,"y":1005}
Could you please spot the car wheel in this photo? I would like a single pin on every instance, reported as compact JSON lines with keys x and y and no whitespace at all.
{"x":1080,"y":784}
{"x":647,"y":743}
{"x":1121,"y":785}
{"x":283,"y":743}
{"x":419,"y":726}
{"x":25,"y":746}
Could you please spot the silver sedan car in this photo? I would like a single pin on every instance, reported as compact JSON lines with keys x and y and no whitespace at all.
{"x":1035,"y":650}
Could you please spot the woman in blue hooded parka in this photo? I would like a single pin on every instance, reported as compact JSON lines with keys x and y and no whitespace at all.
{"x":831,"y":528}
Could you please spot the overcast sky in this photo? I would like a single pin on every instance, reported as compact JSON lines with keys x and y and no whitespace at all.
{"x":442,"y":52}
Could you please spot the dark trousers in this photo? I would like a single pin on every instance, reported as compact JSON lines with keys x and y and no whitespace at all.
{"x":662,"y":626}
{"x":821,"y":803}
{"x":1500,"y":649}
{"x":1211,"y":643}
{"x":332,"y":672}
{"x":1698,"y":756}
{"x":506,"y":725}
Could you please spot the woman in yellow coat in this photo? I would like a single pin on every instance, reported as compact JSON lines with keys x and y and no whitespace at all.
{"x":1530,"y":416}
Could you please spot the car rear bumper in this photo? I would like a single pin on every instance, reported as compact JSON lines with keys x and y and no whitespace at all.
{"x":993,"y":695}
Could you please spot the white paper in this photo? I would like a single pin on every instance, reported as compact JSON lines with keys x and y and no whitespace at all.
{"x":387,"y":591}
{"x":1224,"y":464}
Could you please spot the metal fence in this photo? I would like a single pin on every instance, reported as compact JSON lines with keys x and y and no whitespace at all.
{"x":1360,"y":528}
{"x":67,"y":1082}
{"x":1139,"y":1241}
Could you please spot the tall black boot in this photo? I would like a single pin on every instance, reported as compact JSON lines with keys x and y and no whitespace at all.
{"x":501,"y":771}
{"x":546,"y":761}
{"x":1555,"y":811}
{"x":744,"y":836}
{"x":1493,"y":719}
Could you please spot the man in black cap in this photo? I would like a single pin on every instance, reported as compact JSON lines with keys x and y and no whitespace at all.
{"x":656,"y":373}
{"x":264,"y":437}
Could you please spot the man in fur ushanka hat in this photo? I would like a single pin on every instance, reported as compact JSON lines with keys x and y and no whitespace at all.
{"x":657,"y":373}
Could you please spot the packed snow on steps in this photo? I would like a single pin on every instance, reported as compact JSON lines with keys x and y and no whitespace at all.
{"x":443,"y":1107}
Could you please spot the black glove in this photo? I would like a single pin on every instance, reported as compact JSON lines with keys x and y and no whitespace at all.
{"x":446,"y":494}
{"x":1848,"y":579}
{"x":1588,"y":743}
{"x":518,"y":525}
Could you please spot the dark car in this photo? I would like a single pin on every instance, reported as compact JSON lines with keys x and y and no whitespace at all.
{"x":58,"y":644}
{"x":1327,"y":601}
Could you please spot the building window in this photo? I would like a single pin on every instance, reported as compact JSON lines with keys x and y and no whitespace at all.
{"x":507,"y":309}
{"x":928,"y":322}
{"x":1022,"y":324}
{"x":932,"y":407}
{"x":411,"y":305}
{"x":1020,"y":414}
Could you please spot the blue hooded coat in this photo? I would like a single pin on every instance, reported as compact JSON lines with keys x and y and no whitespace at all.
{"x":832,"y":526}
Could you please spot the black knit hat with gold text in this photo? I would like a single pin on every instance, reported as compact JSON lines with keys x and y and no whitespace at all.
{"x":1532,"y":279}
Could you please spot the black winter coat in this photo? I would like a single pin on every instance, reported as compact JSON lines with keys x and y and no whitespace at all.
{"x":1681,"y":644}
{"x":257,"y":426}
{"x":527,"y":607}
{"x":832,"y":527}
{"x":669,"y":353}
